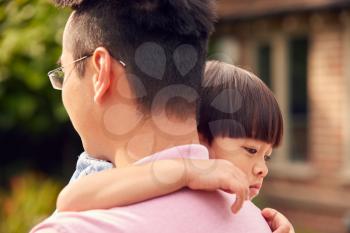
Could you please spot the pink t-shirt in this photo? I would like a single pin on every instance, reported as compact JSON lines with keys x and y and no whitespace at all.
{"x":182,"y":211}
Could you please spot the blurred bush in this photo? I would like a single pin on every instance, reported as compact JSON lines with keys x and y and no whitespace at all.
{"x":33,"y":122}
{"x":30,"y":38}
{"x":31,"y":199}
{"x":34,"y":129}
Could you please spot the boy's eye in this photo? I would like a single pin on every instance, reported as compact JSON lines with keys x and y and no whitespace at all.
{"x":267,"y":158}
{"x":250,"y":150}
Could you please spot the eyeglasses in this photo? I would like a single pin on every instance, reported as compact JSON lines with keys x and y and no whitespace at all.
{"x":56,"y":76}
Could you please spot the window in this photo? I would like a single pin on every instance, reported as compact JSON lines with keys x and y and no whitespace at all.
{"x":298,"y":107}
{"x":282,"y":64}
{"x":264,"y":63}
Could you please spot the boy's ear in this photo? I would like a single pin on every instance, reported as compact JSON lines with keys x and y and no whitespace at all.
{"x":103,"y":73}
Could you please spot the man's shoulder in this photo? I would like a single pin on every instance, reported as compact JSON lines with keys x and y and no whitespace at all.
{"x":200,"y":211}
{"x":190,"y":200}
{"x":199,"y":205}
{"x":185,"y":210}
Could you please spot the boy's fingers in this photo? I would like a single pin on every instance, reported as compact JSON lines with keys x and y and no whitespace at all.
{"x":269,"y":213}
{"x":240,"y":198}
{"x":277,"y":221}
{"x":247,"y":196}
{"x":245,"y":187}
{"x":237,"y":205}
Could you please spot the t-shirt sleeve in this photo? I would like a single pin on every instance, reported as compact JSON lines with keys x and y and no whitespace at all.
{"x":77,"y":222}
{"x":49,"y":228}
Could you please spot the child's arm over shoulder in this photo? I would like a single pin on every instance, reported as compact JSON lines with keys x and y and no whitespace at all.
{"x":123,"y":186}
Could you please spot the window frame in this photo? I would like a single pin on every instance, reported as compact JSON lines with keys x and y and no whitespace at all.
{"x":281,"y":165}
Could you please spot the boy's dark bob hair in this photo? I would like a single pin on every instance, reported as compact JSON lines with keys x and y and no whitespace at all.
{"x":237,"y":104}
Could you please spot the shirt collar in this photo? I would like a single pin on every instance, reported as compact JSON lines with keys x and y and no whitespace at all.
{"x":87,"y":164}
{"x":190,"y":151}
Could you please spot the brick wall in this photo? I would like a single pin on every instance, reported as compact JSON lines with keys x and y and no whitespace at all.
{"x":327,"y":93}
{"x":311,"y":221}
{"x":253,"y":8}
{"x":319,"y":201}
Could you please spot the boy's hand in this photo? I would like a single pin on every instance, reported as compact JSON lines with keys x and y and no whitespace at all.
{"x":216,"y":174}
{"x":277,"y":221}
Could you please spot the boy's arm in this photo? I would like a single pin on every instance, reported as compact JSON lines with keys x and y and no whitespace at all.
{"x":121,"y":186}
{"x":124,"y":186}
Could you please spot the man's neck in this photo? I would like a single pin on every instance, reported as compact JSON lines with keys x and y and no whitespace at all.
{"x":151,"y":138}
{"x":148,"y":139}
{"x":125,"y":156}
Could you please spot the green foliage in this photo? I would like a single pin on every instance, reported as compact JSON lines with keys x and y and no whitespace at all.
{"x":31,"y":199}
{"x":30,"y":44}
{"x":260,"y":202}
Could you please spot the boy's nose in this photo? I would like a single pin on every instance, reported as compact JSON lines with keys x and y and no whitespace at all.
{"x":260,"y":169}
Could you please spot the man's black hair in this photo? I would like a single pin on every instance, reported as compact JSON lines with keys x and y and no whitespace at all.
{"x":162,"y":42}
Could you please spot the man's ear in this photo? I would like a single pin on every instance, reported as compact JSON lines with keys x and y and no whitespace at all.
{"x":102,"y":64}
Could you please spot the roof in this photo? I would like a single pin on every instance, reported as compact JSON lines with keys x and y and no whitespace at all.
{"x":242,"y":9}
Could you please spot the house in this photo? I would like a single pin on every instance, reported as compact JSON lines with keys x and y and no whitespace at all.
{"x":301,"y":49}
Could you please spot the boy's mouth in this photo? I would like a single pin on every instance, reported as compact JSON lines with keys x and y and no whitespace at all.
{"x":254,"y":190}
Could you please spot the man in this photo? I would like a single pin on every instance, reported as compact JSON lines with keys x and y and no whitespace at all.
{"x":132,"y":73}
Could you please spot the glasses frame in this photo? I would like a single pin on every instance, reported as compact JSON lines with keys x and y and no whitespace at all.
{"x":54,"y":71}
{"x":51,"y":72}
